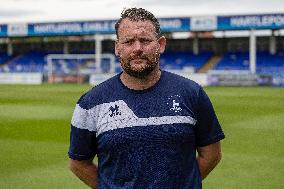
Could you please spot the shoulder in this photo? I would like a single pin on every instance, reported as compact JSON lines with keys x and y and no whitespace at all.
{"x":98,"y":94}
{"x":182,"y":82}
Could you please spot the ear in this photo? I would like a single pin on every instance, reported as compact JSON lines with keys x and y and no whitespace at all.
{"x":162,"y":42}
{"x":116,"y":48}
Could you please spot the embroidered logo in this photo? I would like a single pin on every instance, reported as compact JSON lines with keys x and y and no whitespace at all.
{"x":176,"y":107}
{"x":114,"y":111}
{"x":175,"y":103}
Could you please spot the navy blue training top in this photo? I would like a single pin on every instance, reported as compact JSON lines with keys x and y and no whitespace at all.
{"x":144,"y":139}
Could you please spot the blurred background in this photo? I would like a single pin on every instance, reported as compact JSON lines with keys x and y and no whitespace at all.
{"x":51,"y":52}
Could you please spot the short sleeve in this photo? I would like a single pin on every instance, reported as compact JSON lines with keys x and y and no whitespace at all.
{"x":82,"y":138}
{"x":208,"y":129}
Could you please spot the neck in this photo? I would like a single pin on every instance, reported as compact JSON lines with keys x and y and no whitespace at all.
{"x":141,"y":83}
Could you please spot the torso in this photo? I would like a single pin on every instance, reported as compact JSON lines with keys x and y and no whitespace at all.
{"x":146,"y":139}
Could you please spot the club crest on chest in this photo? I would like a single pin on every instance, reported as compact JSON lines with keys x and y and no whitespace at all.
{"x":174,"y":102}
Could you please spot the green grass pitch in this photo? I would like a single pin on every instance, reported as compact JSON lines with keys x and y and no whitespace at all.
{"x":35,"y":123}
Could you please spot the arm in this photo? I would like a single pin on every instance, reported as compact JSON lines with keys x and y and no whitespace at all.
{"x":85,"y":170}
{"x":208,"y":157}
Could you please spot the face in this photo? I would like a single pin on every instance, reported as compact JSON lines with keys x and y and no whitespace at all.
{"x":138,"y":47}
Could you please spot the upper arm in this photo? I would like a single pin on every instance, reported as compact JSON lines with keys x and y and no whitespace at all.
{"x":211,"y":151}
{"x":83,"y":144}
{"x":207,"y":129}
{"x":76,"y":164}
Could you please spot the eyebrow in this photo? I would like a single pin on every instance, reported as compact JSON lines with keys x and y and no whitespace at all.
{"x":140,"y":37}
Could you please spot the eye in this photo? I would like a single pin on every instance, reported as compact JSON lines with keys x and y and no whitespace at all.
{"x":127,"y":42}
{"x":145,"y":41}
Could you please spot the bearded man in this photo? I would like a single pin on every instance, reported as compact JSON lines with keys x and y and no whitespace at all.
{"x":145,"y":125}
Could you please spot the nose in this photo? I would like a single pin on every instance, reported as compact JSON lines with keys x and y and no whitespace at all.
{"x":137,"y":46}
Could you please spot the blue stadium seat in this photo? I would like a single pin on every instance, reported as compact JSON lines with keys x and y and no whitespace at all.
{"x":181,"y":60}
{"x":269,"y":64}
{"x":234,"y":61}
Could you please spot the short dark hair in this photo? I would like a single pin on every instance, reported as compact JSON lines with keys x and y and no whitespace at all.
{"x":138,"y":14}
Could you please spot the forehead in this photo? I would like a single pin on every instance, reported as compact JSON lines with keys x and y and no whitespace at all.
{"x":129,"y":27}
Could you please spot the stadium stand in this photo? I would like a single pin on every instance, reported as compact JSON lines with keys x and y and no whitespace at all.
{"x":28,"y":62}
{"x":34,"y":61}
{"x":183,"y":60}
{"x":234,"y":61}
{"x":223,"y":49}
{"x":268,"y":64}
{"x":4,"y":58}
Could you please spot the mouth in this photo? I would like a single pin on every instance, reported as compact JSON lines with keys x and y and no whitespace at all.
{"x":138,"y":60}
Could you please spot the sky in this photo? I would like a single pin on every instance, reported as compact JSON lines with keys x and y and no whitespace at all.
{"x":34,"y":11}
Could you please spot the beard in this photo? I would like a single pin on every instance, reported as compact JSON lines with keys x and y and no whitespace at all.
{"x":143,"y":70}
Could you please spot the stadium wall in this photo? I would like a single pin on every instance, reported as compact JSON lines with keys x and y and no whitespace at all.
{"x":21,"y":78}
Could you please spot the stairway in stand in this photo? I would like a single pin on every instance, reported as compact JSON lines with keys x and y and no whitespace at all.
{"x":210,"y":64}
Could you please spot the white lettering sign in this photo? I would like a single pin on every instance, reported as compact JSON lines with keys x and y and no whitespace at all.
{"x":203,"y":23}
{"x":173,"y":23}
{"x":17,"y":29}
{"x":257,"y":21}
{"x":58,"y":28}
{"x":96,"y":26}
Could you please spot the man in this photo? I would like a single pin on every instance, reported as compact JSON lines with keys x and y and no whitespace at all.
{"x":145,"y":125}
